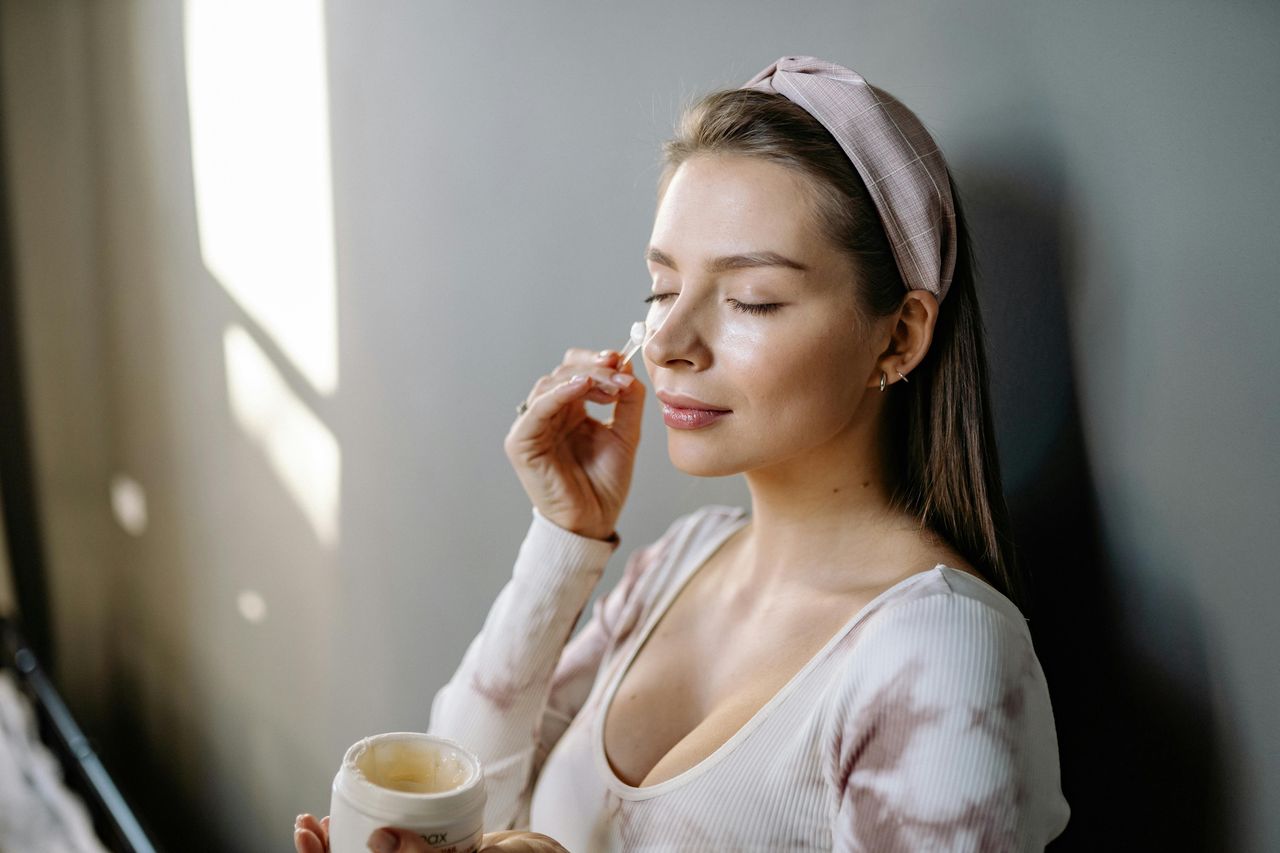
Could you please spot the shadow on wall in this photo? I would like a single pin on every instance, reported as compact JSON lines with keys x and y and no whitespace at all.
{"x":1142,"y":763}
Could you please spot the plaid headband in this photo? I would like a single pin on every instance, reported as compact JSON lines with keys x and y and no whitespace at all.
{"x":896,"y":157}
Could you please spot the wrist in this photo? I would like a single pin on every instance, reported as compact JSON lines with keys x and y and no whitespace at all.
{"x":611,"y":537}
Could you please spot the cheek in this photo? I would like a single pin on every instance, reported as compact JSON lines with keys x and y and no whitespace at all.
{"x":801,"y":369}
{"x":747,"y":349}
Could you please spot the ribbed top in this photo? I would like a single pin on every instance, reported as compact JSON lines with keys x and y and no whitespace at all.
{"x":923,"y":724}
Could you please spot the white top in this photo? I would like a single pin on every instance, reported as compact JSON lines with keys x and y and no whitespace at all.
{"x":923,"y":724}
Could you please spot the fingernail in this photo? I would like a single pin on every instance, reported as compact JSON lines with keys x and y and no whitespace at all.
{"x":623,"y":379}
{"x":576,"y":378}
{"x":604,"y":353}
{"x":384,"y":842}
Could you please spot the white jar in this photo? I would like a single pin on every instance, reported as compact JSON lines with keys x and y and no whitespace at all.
{"x":430,"y":785}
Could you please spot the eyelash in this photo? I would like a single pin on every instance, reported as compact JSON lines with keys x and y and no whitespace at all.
{"x":746,"y":307}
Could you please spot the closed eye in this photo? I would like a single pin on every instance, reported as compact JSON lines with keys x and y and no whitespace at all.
{"x":746,"y":307}
{"x":756,"y":308}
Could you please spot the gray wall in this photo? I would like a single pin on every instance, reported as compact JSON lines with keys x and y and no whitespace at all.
{"x":493,"y":169}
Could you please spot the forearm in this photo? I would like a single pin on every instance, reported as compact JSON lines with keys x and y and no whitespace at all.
{"x":495,"y":700}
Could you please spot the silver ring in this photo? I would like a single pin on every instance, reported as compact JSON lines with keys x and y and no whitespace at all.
{"x":522,"y":408}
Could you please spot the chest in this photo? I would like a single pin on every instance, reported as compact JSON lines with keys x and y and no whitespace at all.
{"x":704,"y":672}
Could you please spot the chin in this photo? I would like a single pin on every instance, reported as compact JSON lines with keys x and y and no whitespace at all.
{"x":702,"y":458}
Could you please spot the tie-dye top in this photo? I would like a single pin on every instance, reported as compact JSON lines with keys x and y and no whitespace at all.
{"x":924,"y":724}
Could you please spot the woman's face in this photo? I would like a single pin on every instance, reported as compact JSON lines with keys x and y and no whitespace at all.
{"x":792,"y":374}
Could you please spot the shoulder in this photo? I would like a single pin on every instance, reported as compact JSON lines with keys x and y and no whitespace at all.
{"x":950,"y":638}
{"x":945,"y":598}
{"x":944,"y":722}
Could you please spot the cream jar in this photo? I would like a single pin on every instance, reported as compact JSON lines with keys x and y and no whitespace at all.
{"x":430,"y":785}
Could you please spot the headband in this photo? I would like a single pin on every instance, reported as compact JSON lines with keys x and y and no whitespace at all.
{"x":896,"y":157}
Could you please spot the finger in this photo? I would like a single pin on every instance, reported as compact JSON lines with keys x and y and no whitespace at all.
{"x":519,"y":841}
{"x":309,"y":821}
{"x":607,"y":357}
{"x":305,"y":841}
{"x":603,"y":389}
{"x":314,"y":834}
{"x":548,"y":844}
{"x":600,"y":369}
{"x":580,"y":355}
{"x":544,"y":406}
{"x":607,"y":386}
{"x":494,"y":837}
{"x":389,"y":839}
{"x":575,"y":359}
{"x":628,"y":412}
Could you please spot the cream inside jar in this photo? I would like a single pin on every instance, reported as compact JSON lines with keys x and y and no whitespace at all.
{"x":416,"y":767}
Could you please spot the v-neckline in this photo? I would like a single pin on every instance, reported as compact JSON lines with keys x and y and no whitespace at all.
{"x":632,"y":792}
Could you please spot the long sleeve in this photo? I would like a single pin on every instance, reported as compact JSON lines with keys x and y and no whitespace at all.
{"x":519,"y":685}
{"x":947,"y":739}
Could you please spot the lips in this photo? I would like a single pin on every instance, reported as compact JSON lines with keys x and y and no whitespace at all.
{"x":684,"y":412}
{"x":684,"y":401}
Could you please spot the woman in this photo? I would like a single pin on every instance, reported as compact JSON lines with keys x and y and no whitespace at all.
{"x":846,"y":666}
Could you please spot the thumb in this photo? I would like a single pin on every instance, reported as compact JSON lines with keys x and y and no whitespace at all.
{"x":628,"y":409}
{"x":392,"y":840}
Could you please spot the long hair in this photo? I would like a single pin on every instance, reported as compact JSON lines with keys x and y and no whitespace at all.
{"x":941,"y":442}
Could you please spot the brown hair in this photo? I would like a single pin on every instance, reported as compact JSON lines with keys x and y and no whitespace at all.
{"x":940,"y":434}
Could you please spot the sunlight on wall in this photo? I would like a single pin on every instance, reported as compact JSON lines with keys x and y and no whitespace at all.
{"x":300,"y":449}
{"x":129,"y":504}
{"x":252,"y":606}
{"x":258,"y":97}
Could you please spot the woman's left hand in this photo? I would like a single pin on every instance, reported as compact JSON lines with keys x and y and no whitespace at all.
{"x":519,"y":841}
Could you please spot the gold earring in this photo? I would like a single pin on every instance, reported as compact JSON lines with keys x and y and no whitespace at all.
{"x":884,"y":377}
{"x":904,"y":379}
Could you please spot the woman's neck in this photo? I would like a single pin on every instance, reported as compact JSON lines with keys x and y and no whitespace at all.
{"x":826,"y":523}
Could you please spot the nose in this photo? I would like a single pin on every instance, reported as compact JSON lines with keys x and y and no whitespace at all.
{"x":678,"y":338}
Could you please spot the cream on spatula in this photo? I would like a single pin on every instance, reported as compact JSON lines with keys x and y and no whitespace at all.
{"x":641,"y":333}
{"x":634,"y":344}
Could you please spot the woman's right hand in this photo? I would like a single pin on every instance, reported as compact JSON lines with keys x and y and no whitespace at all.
{"x":575,"y":469}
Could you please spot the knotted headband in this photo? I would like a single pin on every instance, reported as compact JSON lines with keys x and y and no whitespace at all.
{"x":896,"y":157}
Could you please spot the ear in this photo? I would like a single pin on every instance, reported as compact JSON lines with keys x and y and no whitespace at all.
{"x":910,"y":335}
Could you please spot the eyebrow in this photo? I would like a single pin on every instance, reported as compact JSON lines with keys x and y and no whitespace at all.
{"x":731,"y":262}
